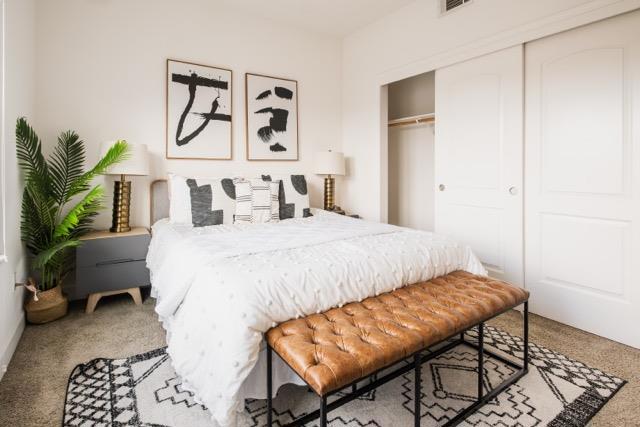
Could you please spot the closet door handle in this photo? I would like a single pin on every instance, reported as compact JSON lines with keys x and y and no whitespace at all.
{"x":513,"y":191}
{"x":441,"y":187}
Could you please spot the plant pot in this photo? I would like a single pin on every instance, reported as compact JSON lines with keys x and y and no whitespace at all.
{"x":51,"y":305}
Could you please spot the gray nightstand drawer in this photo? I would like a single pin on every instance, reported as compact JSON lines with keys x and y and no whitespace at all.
{"x":98,"y":252}
{"x":112,"y":276}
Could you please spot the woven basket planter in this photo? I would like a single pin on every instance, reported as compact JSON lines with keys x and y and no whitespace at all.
{"x":51,"y":305}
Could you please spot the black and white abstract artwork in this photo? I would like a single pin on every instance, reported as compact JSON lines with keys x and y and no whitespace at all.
{"x":272,"y":118}
{"x":198,"y":111}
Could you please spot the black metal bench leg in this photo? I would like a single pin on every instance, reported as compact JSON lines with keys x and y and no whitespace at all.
{"x":418,"y":390}
{"x":374,"y":382}
{"x":323,"y":411}
{"x":525,"y":364}
{"x":480,"y":359}
{"x":269,"y":387}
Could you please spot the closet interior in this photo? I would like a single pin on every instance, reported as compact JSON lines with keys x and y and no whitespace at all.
{"x":411,"y":106}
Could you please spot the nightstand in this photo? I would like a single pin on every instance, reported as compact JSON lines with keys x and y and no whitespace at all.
{"x":112,"y":263}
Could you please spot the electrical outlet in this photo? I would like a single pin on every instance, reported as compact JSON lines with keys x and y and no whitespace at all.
{"x":17,"y":281}
{"x":20,"y":272}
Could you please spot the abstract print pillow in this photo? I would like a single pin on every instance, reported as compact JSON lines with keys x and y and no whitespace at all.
{"x":257,"y":201}
{"x":293,"y":196}
{"x":201,"y":201}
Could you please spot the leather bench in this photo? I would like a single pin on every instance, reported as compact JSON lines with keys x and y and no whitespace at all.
{"x":342,"y":346}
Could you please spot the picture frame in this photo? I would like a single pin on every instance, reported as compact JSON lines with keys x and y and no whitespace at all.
{"x":199,"y":111}
{"x":271,"y":118}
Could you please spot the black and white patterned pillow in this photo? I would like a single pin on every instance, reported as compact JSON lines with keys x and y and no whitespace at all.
{"x":201,"y":201}
{"x":257,"y":201}
{"x":293,"y":196}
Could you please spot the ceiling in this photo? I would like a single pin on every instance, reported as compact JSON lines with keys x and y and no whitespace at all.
{"x":333,"y":17}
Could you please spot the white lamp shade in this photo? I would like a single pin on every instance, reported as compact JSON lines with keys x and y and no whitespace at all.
{"x":329,"y":163}
{"x":137,"y":162}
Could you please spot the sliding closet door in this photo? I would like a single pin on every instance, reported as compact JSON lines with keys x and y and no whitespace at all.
{"x":478,"y":166}
{"x":583,"y":177}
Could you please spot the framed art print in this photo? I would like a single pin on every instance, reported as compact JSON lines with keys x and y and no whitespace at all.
{"x":198,"y":111}
{"x":272,"y":118}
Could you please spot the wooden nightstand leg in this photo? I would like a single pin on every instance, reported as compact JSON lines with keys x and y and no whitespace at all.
{"x":92,"y":301}
{"x":135,"y":294}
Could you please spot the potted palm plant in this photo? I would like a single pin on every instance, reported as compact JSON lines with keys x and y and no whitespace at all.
{"x":58,"y":206}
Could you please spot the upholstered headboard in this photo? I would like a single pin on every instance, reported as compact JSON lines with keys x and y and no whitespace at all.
{"x":159,"y":200}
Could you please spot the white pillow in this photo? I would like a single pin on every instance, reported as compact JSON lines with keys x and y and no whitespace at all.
{"x":293,"y":195}
{"x":201,"y":201}
{"x":257,"y":201}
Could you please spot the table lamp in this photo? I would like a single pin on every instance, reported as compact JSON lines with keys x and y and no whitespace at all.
{"x":137,"y":163}
{"x":329,"y":163}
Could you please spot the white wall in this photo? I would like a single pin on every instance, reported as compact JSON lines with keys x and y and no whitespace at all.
{"x":19,"y":101}
{"x":101,"y":72}
{"x":415,"y":40}
{"x":413,"y":96}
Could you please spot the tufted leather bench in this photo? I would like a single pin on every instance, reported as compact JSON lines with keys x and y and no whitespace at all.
{"x":341,"y":346}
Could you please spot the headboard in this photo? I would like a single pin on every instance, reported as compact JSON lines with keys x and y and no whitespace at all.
{"x":159,"y":195}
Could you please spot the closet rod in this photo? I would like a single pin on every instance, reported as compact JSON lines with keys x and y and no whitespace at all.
{"x":413,"y":120}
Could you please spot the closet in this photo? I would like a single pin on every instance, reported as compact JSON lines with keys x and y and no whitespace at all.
{"x":410,"y":152}
{"x":536,"y":165}
{"x":461,"y":174}
{"x":478,"y":159}
{"x":582,"y":177}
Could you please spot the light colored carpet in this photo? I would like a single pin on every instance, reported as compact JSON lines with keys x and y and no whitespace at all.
{"x":32,"y":391}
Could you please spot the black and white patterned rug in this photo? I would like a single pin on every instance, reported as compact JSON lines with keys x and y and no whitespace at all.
{"x":144,"y":390}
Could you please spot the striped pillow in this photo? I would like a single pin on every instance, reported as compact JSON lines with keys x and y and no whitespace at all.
{"x":294,"y":197}
{"x":257,"y":201}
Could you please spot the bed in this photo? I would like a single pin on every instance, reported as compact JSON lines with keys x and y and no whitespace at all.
{"x":220,"y":288}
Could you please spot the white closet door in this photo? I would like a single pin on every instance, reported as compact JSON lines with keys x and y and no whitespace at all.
{"x":478,"y":159}
{"x":583,"y":177}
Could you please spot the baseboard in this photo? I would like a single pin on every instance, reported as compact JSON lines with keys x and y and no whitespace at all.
{"x":7,"y":354}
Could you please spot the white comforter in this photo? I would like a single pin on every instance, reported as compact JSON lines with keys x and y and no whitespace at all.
{"x":220,"y":288}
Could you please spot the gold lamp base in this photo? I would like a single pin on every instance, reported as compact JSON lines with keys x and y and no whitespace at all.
{"x":121,"y":205}
{"x":329,"y":191}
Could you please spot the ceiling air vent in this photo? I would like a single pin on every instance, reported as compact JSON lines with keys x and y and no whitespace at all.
{"x":449,"y":5}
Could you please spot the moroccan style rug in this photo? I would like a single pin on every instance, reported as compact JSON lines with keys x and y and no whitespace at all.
{"x":144,"y":390}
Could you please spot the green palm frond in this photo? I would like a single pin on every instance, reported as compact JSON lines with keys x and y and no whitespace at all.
{"x":65,"y":165}
{"x":117,"y":153}
{"x":29,"y":153}
{"x":43,"y":258}
{"x":90,"y":204}
{"x":85,"y":222}
{"x":44,"y":208}
{"x":49,"y":186}
{"x":33,"y":234}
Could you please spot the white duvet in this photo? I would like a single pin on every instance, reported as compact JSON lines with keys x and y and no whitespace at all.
{"x":220,"y":288}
